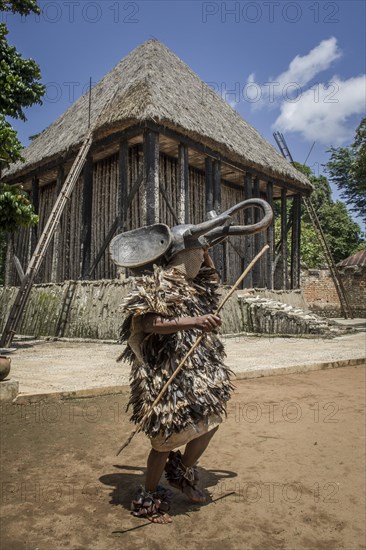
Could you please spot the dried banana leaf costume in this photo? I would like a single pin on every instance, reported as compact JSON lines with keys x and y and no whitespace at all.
{"x":196,"y":399}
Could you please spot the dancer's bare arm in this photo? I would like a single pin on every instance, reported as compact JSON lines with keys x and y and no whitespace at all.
{"x":160,"y":325}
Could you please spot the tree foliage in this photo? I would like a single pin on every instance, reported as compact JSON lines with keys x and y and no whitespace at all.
{"x":16,"y":209}
{"x":10,"y":146}
{"x":19,"y":83}
{"x":347,"y":170}
{"x":24,"y":7}
{"x":343,"y":235}
{"x":19,"y":80}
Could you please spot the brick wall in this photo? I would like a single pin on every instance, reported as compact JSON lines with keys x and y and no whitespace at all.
{"x":321,"y":296}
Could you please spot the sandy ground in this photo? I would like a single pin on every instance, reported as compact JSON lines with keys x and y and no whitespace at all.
{"x":59,"y":366}
{"x":285,"y":471}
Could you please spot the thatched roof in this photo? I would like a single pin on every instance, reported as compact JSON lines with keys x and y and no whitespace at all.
{"x":153,"y":84}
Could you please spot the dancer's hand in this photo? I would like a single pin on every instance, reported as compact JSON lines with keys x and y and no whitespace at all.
{"x":208,"y":323}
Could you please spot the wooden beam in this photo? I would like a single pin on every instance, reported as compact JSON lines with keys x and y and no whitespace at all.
{"x":209,"y":184}
{"x":18,"y":267}
{"x":216,"y":181}
{"x":55,"y":270}
{"x":183,"y":182}
{"x":170,"y":208}
{"x":248,"y":241}
{"x":117,"y":137}
{"x":283,"y":276}
{"x":208,"y":151}
{"x":86,"y":217}
{"x":123,"y":184}
{"x":151,"y":175}
{"x":105,"y":243}
{"x":295,"y":242}
{"x":218,"y":252}
{"x":71,"y":154}
{"x":258,"y":239}
{"x":271,"y":242}
{"x":115,"y":225}
{"x":133,"y":131}
{"x":35,"y":203}
{"x":134,"y":189}
{"x":225,"y":251}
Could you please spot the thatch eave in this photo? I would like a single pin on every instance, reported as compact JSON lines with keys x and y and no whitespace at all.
{"x":109,"y":129}
{"x":291,"y":175}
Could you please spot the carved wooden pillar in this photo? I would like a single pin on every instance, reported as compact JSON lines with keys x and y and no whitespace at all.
{"x":248,"y":241}
{"x":35,"y":202}
{"x":218,"y":252}
{"x":86,"y":217}
{"x":209,"y":184}
{"x":283,"y":264}
{"x":183,"y":182}
{"x":123,"y":184}
{"x":56,"y":257}
{"x":151,"y":172}
{"x":270,"y":241}
{"x":258,"y":240}
{"x":295,"y":242}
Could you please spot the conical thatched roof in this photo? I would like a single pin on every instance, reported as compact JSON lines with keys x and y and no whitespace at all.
{"x":153,"y":84}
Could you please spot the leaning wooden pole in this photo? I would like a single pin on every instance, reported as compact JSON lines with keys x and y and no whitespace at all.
{"x":189,"y":353}
{"x":21,"y":298}
{"x":42,"y":245}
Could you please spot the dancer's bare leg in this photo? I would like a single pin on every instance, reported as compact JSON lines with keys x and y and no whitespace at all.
{"x":155,"y":467}
{"x":194,"y":449}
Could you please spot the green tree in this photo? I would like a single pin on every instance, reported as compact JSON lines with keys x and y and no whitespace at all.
{"x":20,"y":88}
{"x":16,"y":211}
{"x":347,"y":170}
{"x":343,"y":235}
{"x":19,"y":84}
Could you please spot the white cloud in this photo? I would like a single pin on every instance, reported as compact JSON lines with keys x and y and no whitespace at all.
{"x":321,"y":112}
{"x":301,"y":71}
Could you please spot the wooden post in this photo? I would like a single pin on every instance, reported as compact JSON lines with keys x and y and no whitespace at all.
{"x":86,"y":218}
{"x":123,"y":184}
{"x":218,"y":256}
{"x":271,"y":242}
{"x":216,"y":184}
{"x":35,"y":202}
{"x":209,"y":184}
{"x":151,"y":173}
{"x":258,"y":239}
{"x":295,"y":242}
{"x":248,"y":241}
{"x":57,"y":236}
{"x":283,"y":240}
{"x":226,"y":276}
{"x":183,"y":182}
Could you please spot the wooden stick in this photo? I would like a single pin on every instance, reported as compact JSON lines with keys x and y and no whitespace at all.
{"x":189,"y":353}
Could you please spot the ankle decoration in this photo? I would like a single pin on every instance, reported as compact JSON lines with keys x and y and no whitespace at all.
{"x":178,"y":474}
{"x":149,"y":504}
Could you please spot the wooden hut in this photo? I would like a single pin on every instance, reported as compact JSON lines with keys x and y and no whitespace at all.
{"x":167,"y":148}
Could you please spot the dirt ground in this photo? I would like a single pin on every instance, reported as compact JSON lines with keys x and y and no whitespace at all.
{"x":286,"y":470}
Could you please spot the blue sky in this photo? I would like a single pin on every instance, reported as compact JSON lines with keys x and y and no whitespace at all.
{"x":297,"y":67}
